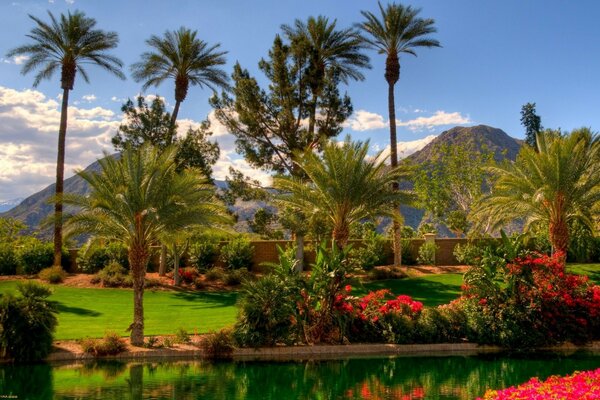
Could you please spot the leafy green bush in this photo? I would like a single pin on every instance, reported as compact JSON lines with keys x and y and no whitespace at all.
{"x":92,"y":257}
{"x":204,"y":254}
{"x":237,"y":253}
{"x":371,"y":253}
{"x":111,"y":344}
{"x":9,"y":262}
{"x":407,"y":255}
{"x":218,"y":345}
{"x":182,"y":336}
{"x":236,"y":277}
{"x":214,"y":274}
{"x":27,"y":322}
{"x":114,"y":275}
{"x":53,"y":274}
{"x":35,"y":256}
{"x":427,"y":253}
{"x":467,"y":254}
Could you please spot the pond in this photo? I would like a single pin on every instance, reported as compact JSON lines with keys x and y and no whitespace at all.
{"x":450,"y":377}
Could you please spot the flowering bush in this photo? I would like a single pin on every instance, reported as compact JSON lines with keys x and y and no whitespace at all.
{"x":580,"y":386}
{"x":530,"y":302}
{"x":188,"y":275}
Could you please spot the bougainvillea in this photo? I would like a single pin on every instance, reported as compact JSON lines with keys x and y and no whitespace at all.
{"x":579,"y":386}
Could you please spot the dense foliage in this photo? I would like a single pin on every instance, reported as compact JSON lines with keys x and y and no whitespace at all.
{"x":27,"y":323}
{"x":237,"y":253}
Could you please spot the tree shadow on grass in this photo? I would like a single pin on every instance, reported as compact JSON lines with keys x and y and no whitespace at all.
{"x":215,"y":299}
{"x":430,"y":293}
{"x":62,"y":308}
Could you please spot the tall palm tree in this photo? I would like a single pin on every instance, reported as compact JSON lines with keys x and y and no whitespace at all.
{"x":328,"y":50}
{"x":68,"y":43}
{"x":137,"y":200}
{"x":397,"y":30}
{"x":343,"y":184}
{"x":550,"y":186}
{"x":181,"y":56}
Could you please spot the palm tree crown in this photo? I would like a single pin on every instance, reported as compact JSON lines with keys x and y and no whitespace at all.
{"x":398,"y":30}
{"x":345,"y":185}
{"x":553,"y":185}
{"x":181,"y":56}
{"x":68,"y":43}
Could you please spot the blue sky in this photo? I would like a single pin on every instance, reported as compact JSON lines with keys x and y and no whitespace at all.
{"x":496,"y":56}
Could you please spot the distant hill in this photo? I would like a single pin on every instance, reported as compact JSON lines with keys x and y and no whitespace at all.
{"x":35,"y":208}
{"x":8,"y":204}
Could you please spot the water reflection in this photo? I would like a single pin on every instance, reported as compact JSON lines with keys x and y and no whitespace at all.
{"x":376,"y":378}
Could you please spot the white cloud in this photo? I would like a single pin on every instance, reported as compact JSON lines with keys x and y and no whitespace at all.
{"x":405,"y":149}
{"x":70,"y":1}
{"x":363,"y":120}
{"x":89,"y":98}
{"x":28,"y":132}
{"x":18,"y":60}
{"x":439,"y":118}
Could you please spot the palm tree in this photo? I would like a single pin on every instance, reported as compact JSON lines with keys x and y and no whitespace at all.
{"x":398,"y":30}
{"x":328,"y":50}
{"x":137,"y":200}
{"x":343,"y":184}
{"x":551,"y":186}
{"x":179,"y":55}
{"x":68,"y":43}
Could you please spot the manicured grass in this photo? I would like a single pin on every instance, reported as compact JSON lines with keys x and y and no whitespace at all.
{"x":591,"y":270}
{"x":431,"y":290}
{"x":91,"y":312}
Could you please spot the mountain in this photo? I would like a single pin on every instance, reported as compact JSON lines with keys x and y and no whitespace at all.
{"x":8,"y":204}
{"x":481,"y":136}
{"x":35,"y":208}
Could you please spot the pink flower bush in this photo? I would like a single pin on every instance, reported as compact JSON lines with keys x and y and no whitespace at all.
{"x":579,"y":386}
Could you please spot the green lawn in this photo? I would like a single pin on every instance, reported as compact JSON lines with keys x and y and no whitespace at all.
{"x":591,"y":270}
{"x":90,"y":312}
{"x":431,"y":290}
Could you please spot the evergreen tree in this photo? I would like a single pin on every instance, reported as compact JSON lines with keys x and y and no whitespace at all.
{"x":531,"y":122}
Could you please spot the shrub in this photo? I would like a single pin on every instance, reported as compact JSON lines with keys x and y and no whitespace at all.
{"x":92,"y":257}
{"x":167,"y":342}
{"x":427,"y":253}
{"x":114,"y":275}
{"x":214,"y":274}
{"x":188,"y":275}
{"x":383,"y":273}
{"x":204,"y":254}
{"x":237,"y":253}
{"x":218,"y":345}
{"x":111,"y":344}
{"x":152,"y":343}
{"x":35,"y":256}
{"x":264,"y":319}
{"x":53,"y":274}
{"x":467,"y":254}
{"x":27,"y":322}
{"x":8,"y":259}
{"x":371,"y":253}
{"x":235,"y":277}
{"x":182,"y":336}
{"x":407,"y":255}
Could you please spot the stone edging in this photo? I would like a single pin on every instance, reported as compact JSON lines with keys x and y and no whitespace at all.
{"x":317,"y":351}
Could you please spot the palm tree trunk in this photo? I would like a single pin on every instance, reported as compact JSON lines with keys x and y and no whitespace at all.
{"x":394,"y":163}
{"x":299,"y":253}
{"x":176,"y":276}
{"x":175,"y":113}
{"x":138,"y":259}
{"x":559,"y":237}
{"x":60,"y":173}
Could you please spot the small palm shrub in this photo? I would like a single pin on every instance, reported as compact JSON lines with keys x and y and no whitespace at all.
{"x":114,"y":275}
{"x":182,"y":336}
{"x":9,"y":262}
{"x":111,"y":344}
{"x":237,"y":253}
{"x":371,"y":253}
{"x":27,"y":322}
{"x":218,"y":345}
{"x":53,"y":274}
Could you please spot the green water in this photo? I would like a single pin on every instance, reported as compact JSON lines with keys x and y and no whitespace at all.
{"x":406,"y":378}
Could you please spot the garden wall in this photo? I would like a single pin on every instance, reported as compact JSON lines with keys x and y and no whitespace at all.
{"x":265,"y":251}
